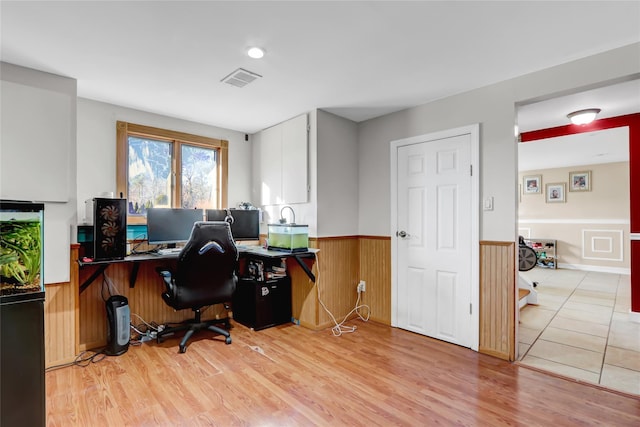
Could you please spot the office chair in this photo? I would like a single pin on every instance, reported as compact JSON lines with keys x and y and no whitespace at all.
{"x":205,"y":275}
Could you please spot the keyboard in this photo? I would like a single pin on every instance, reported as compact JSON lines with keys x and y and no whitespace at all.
{"x":169,"y":251}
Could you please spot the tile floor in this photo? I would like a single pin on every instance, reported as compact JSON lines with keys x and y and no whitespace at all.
{"x":581,"y":328}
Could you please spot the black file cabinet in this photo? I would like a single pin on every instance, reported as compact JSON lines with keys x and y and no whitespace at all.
{"x":260,"y":304}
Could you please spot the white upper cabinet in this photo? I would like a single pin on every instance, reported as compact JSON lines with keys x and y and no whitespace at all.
{"x":35,"y":143}
{"x":283,"y":162}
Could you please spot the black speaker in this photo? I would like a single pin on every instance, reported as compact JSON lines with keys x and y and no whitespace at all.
{"x":109,"y":228}
{"x":118,"y":320}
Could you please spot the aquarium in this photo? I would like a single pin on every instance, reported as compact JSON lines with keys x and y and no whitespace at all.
{"x":288,"y":237}
{"x":21,"y":248}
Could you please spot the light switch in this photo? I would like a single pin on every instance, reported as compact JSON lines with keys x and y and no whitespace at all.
{"x":488,"y":204}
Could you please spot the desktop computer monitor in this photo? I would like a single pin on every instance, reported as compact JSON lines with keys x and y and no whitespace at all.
{"x":245,"y":223}
{"x":166,"y":226}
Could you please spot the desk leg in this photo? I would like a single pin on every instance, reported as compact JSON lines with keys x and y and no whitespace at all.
{"x":93,"y":277}
{"x":305,"y":268}
{"x":134,"y":274}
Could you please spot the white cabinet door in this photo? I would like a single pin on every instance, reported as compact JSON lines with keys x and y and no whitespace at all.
{"x":294,"y":155}
{"x":283,"y":162}
{"x":271,"y":165}
{"x":35,"y":143}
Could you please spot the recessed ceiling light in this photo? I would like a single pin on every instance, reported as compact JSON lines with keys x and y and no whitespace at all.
{"x":583,"y":117}
{"x":255,"y":52}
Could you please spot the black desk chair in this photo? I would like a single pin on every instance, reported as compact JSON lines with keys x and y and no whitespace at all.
{"x":205,"y":275}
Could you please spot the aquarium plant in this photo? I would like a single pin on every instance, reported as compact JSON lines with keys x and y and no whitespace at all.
{"x":20,"y":251}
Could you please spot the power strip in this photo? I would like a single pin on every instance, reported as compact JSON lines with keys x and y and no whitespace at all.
{"x":150,"y":335}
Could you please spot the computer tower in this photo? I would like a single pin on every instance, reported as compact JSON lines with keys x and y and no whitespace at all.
{"x":109,"y":228}
{"x":118,"y":325}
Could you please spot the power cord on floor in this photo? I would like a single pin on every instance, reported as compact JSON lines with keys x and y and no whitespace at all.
{"x":81,"y":360}
{"x":340,"y":328}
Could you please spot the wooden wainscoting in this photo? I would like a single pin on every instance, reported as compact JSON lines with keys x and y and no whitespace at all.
{"x":304,"y":301}
{"x":338,"y":269}
{"x":375,"y":270}
{"x":342,"y":263}
{"x":497,"y":299}
{"x":60,"y":317}
{"x":59,"y":324}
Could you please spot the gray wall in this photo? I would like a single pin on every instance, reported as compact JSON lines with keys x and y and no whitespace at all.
{"x":494,"y":108}
{"x":337,"y":176}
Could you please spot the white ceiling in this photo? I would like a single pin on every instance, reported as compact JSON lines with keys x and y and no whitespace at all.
{"x":356,"y":59}
{"x":589,"y":148}
{"x":603,"y":146}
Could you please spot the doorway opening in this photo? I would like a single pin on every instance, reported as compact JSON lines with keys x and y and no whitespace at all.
{"x":581,"y":326}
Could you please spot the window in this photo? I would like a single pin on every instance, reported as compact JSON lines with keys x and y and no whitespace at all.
{"x":163,"y":168}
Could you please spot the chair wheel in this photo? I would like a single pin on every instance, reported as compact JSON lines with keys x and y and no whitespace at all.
{"x":227,"y":340}
{"x":183,"y":348}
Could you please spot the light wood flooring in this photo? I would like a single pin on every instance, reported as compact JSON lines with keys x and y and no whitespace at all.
{"x":292,"y":376}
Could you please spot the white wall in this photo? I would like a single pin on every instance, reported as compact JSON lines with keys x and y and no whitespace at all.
{"x":97,"y":149}
{"x":494,"y":108}
{"x":337,"y":176}
{"x":59,"y":215}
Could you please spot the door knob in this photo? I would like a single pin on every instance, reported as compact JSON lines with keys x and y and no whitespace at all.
{"x":401,"y":233}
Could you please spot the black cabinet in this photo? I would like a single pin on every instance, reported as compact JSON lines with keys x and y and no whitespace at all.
{"x":260,"y":304}
{"x":22,"y":389}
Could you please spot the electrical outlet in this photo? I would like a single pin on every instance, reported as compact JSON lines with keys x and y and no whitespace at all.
{"x":362,"y":286}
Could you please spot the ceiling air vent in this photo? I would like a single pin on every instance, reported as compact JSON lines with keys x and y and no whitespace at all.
{"x":240,"y":77}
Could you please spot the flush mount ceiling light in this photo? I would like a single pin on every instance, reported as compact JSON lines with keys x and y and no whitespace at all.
{"x":255,"y":52}
{"x":583,"y":117}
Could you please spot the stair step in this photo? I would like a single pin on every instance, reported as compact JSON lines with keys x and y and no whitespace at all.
{"x":522,"y":293}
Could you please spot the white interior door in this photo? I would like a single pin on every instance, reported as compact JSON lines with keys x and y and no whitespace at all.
{"x":434,"y":238}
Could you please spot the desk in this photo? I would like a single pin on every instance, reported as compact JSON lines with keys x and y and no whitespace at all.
{"x":243,"y":251}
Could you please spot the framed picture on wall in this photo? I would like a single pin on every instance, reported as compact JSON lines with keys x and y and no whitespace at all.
{"x":556,"y":193}
{"x":580,"y":181}
{"x":532,"y":184}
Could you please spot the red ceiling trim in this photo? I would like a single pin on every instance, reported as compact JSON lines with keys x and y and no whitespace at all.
{"x":631,"y":120}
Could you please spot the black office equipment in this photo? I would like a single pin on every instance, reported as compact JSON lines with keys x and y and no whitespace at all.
{"x":245,"y":223}
{"x":263,"y":296}
{"x":118,"y":321}
{"x":109,"y":228}
{"x":261,"y":304}
{"x":168,"y":226}
{"x":205,"y":275}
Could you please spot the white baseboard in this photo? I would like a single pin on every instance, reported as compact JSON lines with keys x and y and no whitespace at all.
{"x":597,"y":268}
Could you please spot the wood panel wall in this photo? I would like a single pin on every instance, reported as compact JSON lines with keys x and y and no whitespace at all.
{"x":304,"y":302}
{"x":338,"y":276}
{"x":60,"y":312}
{"x":75,"y":322}
{"x":497,"y":299}
{"x":375,"y":270}
{"x":60,"y":324}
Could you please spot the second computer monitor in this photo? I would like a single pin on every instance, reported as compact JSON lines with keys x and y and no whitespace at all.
{"x":245,"y":223}
{"x":167,"y":226}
